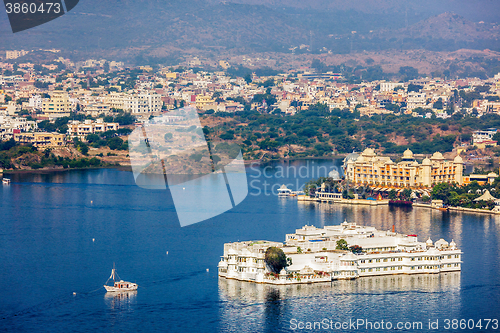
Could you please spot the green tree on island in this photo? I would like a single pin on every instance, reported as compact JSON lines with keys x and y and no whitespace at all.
{"x":276,"y":259}
{"x":342,"y":245}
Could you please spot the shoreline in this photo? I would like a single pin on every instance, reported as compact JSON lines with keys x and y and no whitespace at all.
{"x":364,"y":202}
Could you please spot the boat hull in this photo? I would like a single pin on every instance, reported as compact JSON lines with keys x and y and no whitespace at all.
{"x":131,"y":287}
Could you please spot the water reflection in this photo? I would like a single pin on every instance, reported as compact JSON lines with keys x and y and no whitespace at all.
{"x":263,"y":307}
{"x":120,"y":300}
{"x":424,"y":222}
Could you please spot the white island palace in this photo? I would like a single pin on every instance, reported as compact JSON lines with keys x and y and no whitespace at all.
{"x":315,"y":258}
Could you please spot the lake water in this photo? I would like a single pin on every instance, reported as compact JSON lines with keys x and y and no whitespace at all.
{"x":61,"y":232}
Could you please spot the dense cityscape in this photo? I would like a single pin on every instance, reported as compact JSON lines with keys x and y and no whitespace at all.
{"x":94,"y":104}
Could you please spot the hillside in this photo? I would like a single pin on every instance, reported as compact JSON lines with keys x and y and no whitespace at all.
{"x":125,"y":30}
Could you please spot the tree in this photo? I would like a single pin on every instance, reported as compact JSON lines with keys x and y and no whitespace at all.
{"x":275,"y":259}
{"x":408,"y":73}
{"x":442,"y":191}
{"x":392,"y":194}
{"x":115,"y":143}
{"x":342,"y":245}
{"x":496,"y":137}
{"x":406,"y":194}
{"x":91,"y":138}
{"x":356,"y":249}
{"x":168,"y":137}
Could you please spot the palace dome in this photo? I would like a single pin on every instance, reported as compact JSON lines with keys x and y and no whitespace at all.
{"x":408,"y":154}
{"x":351,"y":157}
{"x":426,"y":161}
{"x":458,"y":159}
{"x":437,"y":156}
{"x":368,"y":152}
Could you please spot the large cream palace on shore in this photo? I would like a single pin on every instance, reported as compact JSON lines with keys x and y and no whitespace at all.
{"x":370,"y":169}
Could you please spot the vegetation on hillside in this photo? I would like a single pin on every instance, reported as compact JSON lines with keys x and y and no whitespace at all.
{"x":320,"y":132}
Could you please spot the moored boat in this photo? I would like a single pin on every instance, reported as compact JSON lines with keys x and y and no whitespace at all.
{"x":6,"y":181}
{"x":119,"y":285}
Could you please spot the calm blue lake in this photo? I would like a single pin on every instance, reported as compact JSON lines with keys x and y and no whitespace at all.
{"x":61,"y":232}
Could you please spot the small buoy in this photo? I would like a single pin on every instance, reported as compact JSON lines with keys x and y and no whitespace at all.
{"x":91,"y":201}
{"x":207,"y":269}
{"x":167,"y":253}
{"x":183,"y":188}
{"x":74,"y":293}
{"x":93,"y":239}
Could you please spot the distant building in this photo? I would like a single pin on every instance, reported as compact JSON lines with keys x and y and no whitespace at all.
{"x":389,"y":86}
{"x":96,"y":109}
{"x":141,"y":103}
{"x":58,"y":105}
{"x":416,"y":100}
{"x":202,"y":101}
{"x":15,"y":54}
{"x":370,"y":169}
{"x":81,"y":130}
{"x":41,"y":139}
{"x":481,"y":136}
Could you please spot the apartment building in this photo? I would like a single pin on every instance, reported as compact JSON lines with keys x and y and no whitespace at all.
{"x":81,"y":130}
{"x":416,"y":100}
{"x":141,"y":103}
{"x":58,"y":105}
{"x":41,"y":139}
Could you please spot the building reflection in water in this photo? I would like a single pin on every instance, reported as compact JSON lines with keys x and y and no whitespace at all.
{"x":424,"y":222}
{"x":120,"y":300}
{"x":263,"y":307}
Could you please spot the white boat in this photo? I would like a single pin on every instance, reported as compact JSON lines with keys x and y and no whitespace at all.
{"x":6,"y":181}
{"x":120,"y":285}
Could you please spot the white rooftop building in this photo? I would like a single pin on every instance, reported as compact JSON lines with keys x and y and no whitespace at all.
{"x":315,"y":257}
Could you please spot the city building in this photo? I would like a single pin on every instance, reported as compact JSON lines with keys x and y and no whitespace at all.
{"x":58,"y":105}
{"x":416,"y":100}
{"x":389,"y":86}
{"x":202,"y":101}
{"x":484,"y":137}
{"x":370,"y":169}
{"x":81,"y":130}
{"x":41,"y":139}
{"x":315,"y":256}
{"x":10,"y":125}
{"x":97,"y":109}
{"x":15,"y":54}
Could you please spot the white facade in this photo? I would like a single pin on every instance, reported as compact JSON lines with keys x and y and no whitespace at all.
{"x":315,"y":258}
{"x":389,"y":86}
{"x":81,"y":130}
{"x":36,"y":102}
{"x":416,"y":100}
{"x":141,"y":103}
{"x":481,"y":136}
{"x":9,"y":124}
